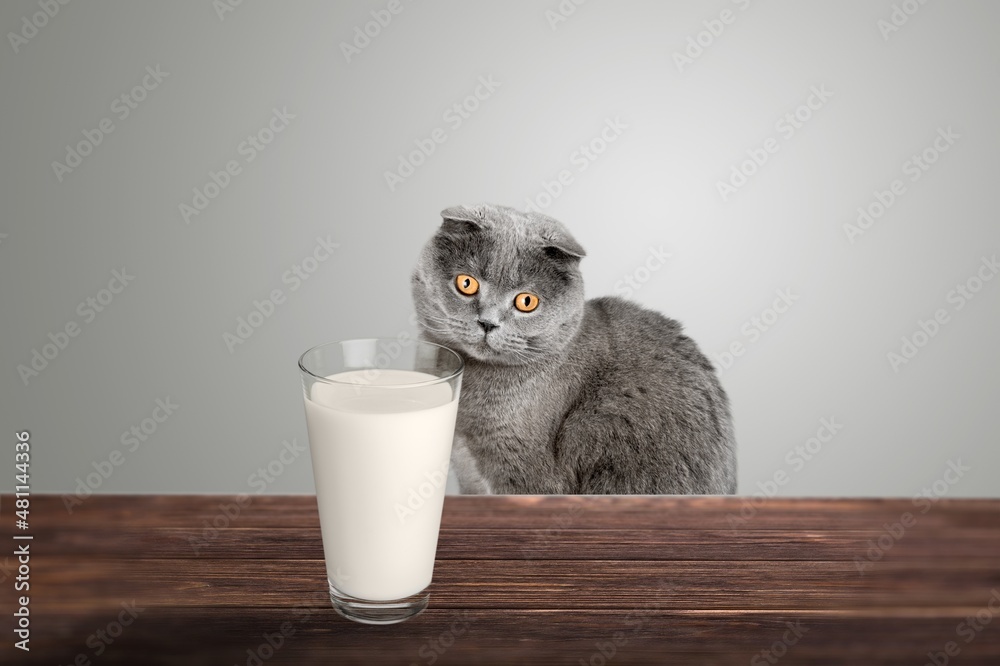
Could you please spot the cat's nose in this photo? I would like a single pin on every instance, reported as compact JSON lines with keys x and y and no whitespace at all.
{"x":487,"y":325}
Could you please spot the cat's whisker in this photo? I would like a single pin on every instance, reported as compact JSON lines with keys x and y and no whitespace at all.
{"x":516,"y":354}
{"x":531,"y":351}
{"x":437,"y":330}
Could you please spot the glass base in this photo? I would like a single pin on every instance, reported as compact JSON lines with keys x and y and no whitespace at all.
{"x":378,"y":612}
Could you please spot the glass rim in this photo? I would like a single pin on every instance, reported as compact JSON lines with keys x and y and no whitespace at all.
{"x":428,"y":382}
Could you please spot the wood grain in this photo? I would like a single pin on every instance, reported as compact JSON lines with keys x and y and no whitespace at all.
{"x":528,"y":580}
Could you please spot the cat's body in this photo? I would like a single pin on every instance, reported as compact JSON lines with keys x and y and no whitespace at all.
{"x":595,"y":397}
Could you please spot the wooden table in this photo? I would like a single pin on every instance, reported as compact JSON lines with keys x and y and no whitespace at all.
{"x":518,"y":580}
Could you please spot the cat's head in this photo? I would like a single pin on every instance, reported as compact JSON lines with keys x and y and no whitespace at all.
{"x":498,"y":285}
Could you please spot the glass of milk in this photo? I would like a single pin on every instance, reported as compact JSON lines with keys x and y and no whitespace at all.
{"x":381,"y":417}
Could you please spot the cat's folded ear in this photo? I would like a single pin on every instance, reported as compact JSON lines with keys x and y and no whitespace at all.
{"x":560,"y":245}
{"x":556,"y":240}
{"x":460,"y":218}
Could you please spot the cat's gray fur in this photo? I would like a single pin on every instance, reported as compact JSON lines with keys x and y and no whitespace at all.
{"x":595,"y":397}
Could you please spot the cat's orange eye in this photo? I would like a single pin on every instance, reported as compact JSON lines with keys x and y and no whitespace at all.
{"x":526,"y":302}
{"x":467,"y":284}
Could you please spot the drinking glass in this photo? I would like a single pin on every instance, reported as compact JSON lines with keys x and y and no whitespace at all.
{"x":381,"y":418}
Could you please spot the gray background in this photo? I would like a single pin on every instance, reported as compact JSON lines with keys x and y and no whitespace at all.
{"x":559,"y":83}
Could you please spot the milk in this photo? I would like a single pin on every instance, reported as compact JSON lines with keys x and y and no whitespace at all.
{"x":380,"y":461}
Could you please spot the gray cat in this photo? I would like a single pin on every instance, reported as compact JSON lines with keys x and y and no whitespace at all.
{"x":562,"y":395}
